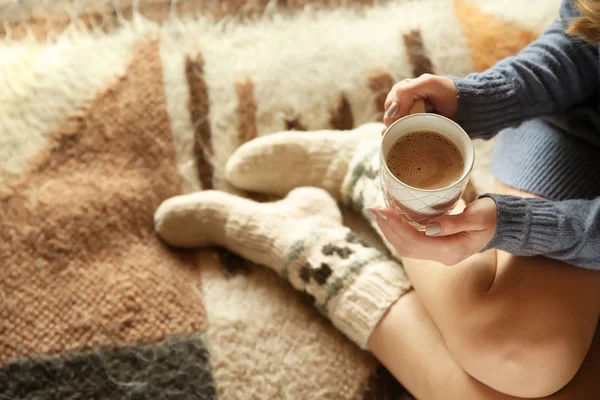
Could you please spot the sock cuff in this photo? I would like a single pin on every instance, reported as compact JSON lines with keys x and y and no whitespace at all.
{"x":363,"y":167}
{"x":367,"y":300}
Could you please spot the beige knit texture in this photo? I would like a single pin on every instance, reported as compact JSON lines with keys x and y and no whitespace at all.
{"x":80,"y":264}
{"x":300,"y":237}
{"x":345,"y":164}
{"x":278,"y":163}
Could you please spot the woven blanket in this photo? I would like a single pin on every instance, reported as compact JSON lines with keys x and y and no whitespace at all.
{"x":108,"y":108}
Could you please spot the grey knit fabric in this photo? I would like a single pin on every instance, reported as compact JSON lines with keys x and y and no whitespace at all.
{"x":546,"y":100}
{"x":551,"y":75}
{"x":542,"y":159}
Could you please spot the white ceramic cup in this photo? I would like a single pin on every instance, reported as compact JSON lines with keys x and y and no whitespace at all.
{"x":421,"y":205}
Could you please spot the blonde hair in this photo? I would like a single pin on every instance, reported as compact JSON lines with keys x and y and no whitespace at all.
{"x":587,"y":26}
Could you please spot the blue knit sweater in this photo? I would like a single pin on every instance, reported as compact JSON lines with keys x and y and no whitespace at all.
{"x":551,"y":77}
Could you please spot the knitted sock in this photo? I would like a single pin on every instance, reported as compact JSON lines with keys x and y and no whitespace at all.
{"x":345,"y":163}
{"x":300,"y":237}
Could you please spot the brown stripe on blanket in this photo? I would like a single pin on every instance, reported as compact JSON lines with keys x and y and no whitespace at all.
{"x":294,"y":125}
{"x":176,"y":368}
{"x":199,"y":107}
{"x":342,"y":118}
{"x":246,"y":110}
{"x":40,"y":26}
{"x":81,"y":263}
{"x":417,"y":54}
{"x":490,"y":38}
{"x":44,"y":18}
{"x":380,"y":83}
{"x":383,"y":386}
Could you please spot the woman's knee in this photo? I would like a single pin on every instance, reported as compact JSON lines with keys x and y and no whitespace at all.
{"x":517,"y":367}
{"x":529,"y":334}
{"x":521,"y":342}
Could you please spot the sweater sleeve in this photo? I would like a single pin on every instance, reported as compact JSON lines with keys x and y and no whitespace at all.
{"x":551,"y":75}
{"x":566,"y":230}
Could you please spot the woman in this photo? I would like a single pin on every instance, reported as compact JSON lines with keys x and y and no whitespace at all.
{"x":547,"y":95}
{"x":551,"y":90}
{"x":495,"y":325}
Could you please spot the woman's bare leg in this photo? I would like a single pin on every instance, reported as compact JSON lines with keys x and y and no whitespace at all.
{"x":519,"y":325}
{"x":527,"y":334}
{"x":409,"y":344}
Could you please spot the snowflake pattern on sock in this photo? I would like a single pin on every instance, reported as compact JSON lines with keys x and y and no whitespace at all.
{"x":325,"y":262}
{"x":362,"y":187}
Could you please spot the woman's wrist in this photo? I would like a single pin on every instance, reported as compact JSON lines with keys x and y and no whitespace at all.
{"x":525,"y":226}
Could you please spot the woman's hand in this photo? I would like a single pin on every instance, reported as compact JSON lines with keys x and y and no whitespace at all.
{"x":440,"y":91}
{"x":448,"y":239}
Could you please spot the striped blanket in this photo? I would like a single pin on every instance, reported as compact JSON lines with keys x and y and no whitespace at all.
{"x":107,"y":108}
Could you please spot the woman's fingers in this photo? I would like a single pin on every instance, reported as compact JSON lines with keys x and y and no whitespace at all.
{"x":390,"y":234}
{"x":411,"y":243}
{"x":478,"y":216}
{"x":438,"y":90}
{"x":400,"y":100}
{"x":391,"y":97}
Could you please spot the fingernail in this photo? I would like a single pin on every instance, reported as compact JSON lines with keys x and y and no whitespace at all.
{"x":381,"y":215}
{"x":371,"y":214}
{"x":392,"y":110}
{"x":433,"y":229}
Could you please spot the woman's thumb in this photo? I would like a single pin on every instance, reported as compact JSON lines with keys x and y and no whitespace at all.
{"x":468,"y":220}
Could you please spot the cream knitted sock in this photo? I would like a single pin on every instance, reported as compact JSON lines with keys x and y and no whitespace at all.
{"x":345,"y":163}
{"x":300,"y":237}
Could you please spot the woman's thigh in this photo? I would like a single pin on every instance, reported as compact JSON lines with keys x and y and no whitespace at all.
{"x":520,"y":325}
{"x":410,"y":345}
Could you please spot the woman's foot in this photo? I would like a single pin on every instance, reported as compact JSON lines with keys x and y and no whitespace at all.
{"x":300,"y":237}
{"x":345,"y":163}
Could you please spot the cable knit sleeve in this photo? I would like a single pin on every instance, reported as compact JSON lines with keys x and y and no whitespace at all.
{"x":551,"y":75}
{"x":566,"y":230}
